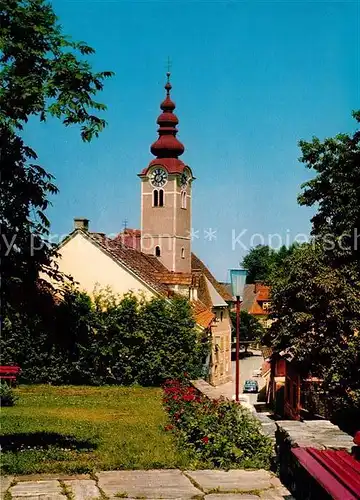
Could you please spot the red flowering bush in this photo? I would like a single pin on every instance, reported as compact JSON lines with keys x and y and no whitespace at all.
{"x":217,"y":433}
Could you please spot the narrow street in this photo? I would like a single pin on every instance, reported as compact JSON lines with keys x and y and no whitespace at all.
{"x":247,"y":367}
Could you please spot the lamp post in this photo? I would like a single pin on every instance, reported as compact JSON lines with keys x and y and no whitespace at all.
{"x":238,"y":279}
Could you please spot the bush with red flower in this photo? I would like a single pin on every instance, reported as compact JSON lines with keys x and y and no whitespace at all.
{"x":216,"y":433}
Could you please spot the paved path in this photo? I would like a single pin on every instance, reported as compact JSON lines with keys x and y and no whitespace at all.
{"x":247,"y":366}
{"x":152,"y":484}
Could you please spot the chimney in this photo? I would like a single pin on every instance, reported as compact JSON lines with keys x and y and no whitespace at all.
{"x":81,"y":223}
{"x":258,"y":284}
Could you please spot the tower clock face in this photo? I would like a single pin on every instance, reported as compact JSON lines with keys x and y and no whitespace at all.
{"x":158,"y":177}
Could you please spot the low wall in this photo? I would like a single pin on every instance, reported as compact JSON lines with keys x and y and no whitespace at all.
{"x":319,"y":434}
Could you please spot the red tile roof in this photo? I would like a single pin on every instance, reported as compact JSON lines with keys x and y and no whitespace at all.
{"x":144,"y":266}
{"x":254,"y":295}
{"x":203,"y":315}
{"x":256,"y":309}
{"x":263,"y":293}
{"x":157,"y":276}
{"x":172,"y":278}
{"x":130,"y":238}
{"x":198,"y":265}
{"x":172,"y":165}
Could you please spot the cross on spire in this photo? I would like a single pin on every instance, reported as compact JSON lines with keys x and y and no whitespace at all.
{"x":168,"y":66}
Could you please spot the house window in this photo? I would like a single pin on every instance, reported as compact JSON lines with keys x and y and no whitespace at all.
{"x":183,"y":199}
{"x":161,"y":198}
{"x":157,"y":251}
{"x":155,"y":198}
{"x":183,"y":253}
{"x":221,"y":315}
{"x":266,"y":306}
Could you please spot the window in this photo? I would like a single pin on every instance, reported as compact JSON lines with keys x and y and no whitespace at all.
{"x":266,"y":306}
{"x":157,"y":251}
{"x":183,"y":253}
{"x":161,"y":198}
{"x":221,"y":315}
{"x":155,"y":198}
{"x":183,"y":199}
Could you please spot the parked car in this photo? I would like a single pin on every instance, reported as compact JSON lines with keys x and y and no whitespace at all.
{"x":251,"y":386}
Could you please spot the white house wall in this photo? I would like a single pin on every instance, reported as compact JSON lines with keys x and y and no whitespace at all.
{"x":92,"y":268}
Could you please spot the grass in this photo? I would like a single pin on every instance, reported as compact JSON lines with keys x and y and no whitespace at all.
{"x":84,"y":429}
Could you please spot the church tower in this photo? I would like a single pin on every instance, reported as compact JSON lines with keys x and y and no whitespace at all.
{"x":166,"y":195}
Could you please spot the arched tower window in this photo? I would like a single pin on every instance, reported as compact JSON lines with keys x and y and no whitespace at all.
{"x":183,"y":253}
{"x":161,"y":198}
{"x":157,"y":251}
{"x":183,"y":199}
{"x":155,"y":198}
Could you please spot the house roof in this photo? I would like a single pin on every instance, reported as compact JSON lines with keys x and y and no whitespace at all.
{"x":215,"y":297}
{"x":198,"y":266}
{"x":263,"y":293}
{"x":144,"y":266}
{"x":172,"y":278}
{"x":203,"y":315}
{"x":150,"y":270}
{"x":253,"y":296}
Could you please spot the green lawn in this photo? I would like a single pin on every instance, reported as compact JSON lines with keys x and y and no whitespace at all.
{"x":72,"y":429}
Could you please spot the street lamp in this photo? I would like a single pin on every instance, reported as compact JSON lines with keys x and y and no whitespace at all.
{"x":238,"y":279}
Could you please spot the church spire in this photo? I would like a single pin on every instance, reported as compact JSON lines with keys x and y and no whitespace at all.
{"x":167,"y":145}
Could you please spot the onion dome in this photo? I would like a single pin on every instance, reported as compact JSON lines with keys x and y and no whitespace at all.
{"x":167,"y":145}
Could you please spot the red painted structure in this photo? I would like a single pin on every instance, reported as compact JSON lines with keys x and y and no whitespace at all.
{"x":167,"y":148}
{"x":286,"y":386}
{"x":335,"y":471}
{"x":9,"y":373}
{"x":357,"y":438}
{"x":292,"y":405}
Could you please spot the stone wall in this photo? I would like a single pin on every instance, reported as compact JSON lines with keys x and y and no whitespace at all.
{"x":319,"y":434}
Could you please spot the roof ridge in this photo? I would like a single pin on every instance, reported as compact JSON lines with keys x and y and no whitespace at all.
{"x":142,"y":274}
{"x":197,"y":264}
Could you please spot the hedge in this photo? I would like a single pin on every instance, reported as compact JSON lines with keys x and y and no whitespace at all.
{"x":106,"y":341}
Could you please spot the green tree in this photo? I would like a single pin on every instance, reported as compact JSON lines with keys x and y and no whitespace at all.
{"x":315,"y":307}
{"x":43,"y":73}
{"x":316,"y":290}
{"x":262,"y":260}
{"x":259,"y":262}
{"x":335,"y":190}
{"x":127,"y":341}
{"x":317,"y":314}
{"x":250,"y":328}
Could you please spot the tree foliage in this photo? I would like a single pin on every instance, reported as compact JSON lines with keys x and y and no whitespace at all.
{"x":43,"y":73}
{"x":316,"y":308}
{"x":127,"y":341}
{"x":335,"y":190}
{"x":250,"y":327}
{"x":316,"y":290}
{"x":262,"y":260}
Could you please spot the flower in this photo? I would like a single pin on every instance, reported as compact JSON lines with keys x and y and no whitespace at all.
{"x":205,"y":440}
{"x":169,"y":427}
{"x":188,"y":397}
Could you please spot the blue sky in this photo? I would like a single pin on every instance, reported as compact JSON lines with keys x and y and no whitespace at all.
{"x":249,"y":79}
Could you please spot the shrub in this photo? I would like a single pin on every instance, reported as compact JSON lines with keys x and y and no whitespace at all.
{"x":107,"y":341}
{"x":218,"y":433}
{"x":7,"y":396}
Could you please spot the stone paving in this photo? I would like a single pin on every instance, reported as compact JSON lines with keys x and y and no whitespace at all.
{"x":151,"y":484}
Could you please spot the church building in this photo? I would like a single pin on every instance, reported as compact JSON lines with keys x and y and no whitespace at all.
{"x":156,"y":260}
